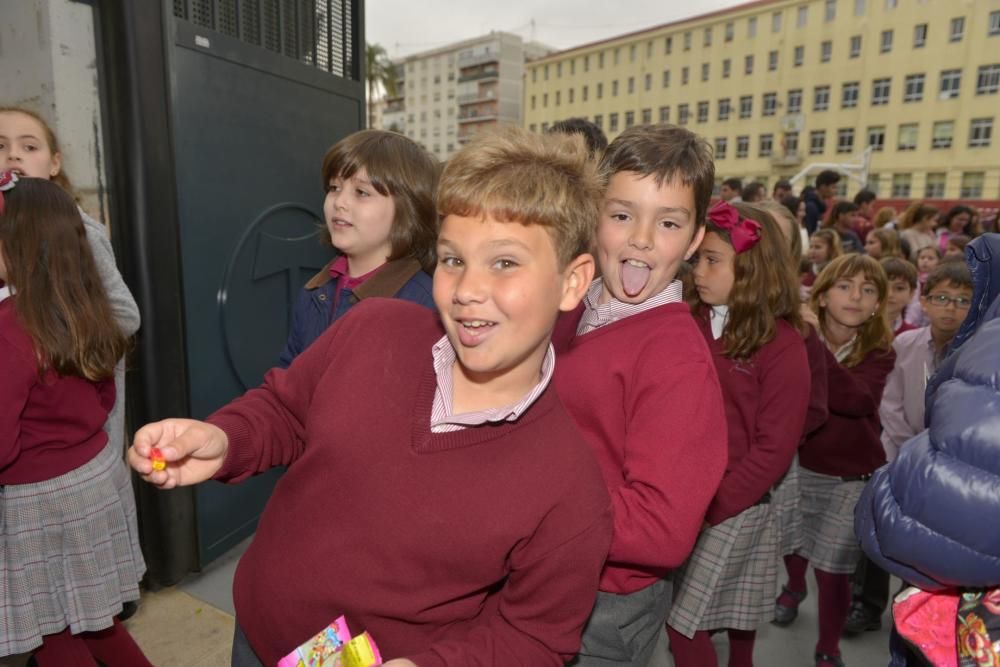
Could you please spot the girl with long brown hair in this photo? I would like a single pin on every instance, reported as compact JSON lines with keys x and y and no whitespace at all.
{"x":747,"y":307}
{"x":70,"y":553}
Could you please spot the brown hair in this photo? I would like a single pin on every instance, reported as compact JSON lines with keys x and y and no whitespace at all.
{"x":956,"y":273}
{"x":959,"y":241}
{"x":897,"y":267}
{"x":765,"y":287}
{"x":60,"y":179}
{"x":914,"y":213}
{"x":780,"y":212}
{"x":60,"y":299}
{"x":832,"y":238}
{"x":513,"y":175}
{"x":399,"y":168}
{"x":883,"y":217}
{"x":875,"y":333}
{"x":889,"y":240}
{"x":668,"y":153}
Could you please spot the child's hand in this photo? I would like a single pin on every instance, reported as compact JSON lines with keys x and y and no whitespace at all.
{"x":809,"y":316}
{"x":399,"y":662}
{"x":193,"y":452}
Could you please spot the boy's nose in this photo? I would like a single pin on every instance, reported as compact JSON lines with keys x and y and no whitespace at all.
{"x":470,"y":287}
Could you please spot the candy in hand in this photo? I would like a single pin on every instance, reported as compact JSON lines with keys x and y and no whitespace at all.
{"x":156,"y":456}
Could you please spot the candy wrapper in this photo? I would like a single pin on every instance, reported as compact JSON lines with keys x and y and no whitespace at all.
{"x":334,"y":647}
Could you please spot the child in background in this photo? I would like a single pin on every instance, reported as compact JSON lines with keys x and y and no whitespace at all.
{"x":639,"y":381}
{"x":849,"y":300}
{"x":843,"y":219}
{"x":824,"y":246}
{"x":958,"y":221}
{"x":927,"y":260}
{"x":917,"y":226}
{"x":902,"y":278}
{"x":466,"y":519}
{"x":956,"y":246}
{"x":69,"y":548}
{"x":591,"y":133}
{"x":885,"y":218}
{"x":882,"y":243}
{"x":379,"y":216}
{"x":748,"y":310}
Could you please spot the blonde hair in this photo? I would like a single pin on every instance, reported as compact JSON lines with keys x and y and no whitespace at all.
{"x":885,"y":215}
{"x":781,"y":212}
{"x":832,"y":239}
{"x":513,"y":175}
{"x":889,"y":240}
{"x":875,"y":333}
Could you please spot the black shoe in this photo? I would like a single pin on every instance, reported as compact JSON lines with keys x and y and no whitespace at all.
{"x":861,"y":619}
{"x":128,"y":610}
{"x":784,"y":614}
{"x":824,"y":660}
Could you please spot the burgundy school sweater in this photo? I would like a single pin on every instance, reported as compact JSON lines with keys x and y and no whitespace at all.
{"x":819,"y":400}
{"x":481,"y":546}
{"x":766,"y":399}
{"x":49,"y":425}
{"x":848,"y":443}
{"x":645,"y":393}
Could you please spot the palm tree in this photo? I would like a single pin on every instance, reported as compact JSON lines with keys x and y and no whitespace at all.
{"x":380,"y":72}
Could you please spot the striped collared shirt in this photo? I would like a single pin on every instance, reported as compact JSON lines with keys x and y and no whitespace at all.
{"x":442,"y":419}
{"x":596,"y":316}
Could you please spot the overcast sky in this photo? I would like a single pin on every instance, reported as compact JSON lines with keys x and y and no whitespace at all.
{"x":409,"y":26}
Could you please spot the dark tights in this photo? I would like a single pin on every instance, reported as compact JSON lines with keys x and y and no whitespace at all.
{"x":114,"y":647}
{"x":699,"y":652}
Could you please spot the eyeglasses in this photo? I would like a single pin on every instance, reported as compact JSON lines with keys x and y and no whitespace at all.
{"x":942,"y":300}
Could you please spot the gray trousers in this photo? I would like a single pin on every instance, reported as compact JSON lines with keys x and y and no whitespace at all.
{"x":623,"y":629}
{"x":243,"y":655}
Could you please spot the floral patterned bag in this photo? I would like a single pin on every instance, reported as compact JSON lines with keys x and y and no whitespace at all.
{"x":979,"y":629}
{"x":949,"y":629}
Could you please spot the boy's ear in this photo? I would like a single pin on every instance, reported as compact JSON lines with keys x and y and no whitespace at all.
{"x":577,"y":276}
{"x":699,"y":236}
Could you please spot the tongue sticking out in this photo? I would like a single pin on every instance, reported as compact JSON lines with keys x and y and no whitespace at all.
{"x":634,"y":278}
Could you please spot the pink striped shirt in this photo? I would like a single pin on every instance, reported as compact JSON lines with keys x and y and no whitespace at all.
{"x":596,"y":316}
{"x":442,"y":418}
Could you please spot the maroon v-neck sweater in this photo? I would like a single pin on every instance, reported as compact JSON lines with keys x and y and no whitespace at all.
{"x":481,"y":546}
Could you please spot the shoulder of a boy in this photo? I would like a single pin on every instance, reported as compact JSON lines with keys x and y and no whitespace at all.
{"x":908,"y":338}
{"x":393,"y":315}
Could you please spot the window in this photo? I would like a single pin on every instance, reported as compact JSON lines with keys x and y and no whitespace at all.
{"x":776,"y":22}
{"x":720,"y":148}
{"x":821,"y":98}
{"x":665,"y":114}
{"x":726,"y":64}
{"x":648,"y":82}
{"x":772,"y":61}
{"x":817,"y":142}
{"x":742,"y":146}
{"x":980,"y":132}
{"x":849,"y":95}
{"x":631,"y":53}
{"x":649,"y":49}
{"x":600,"y":90}
{"x":708,"y":37}
{"x":972,"y":185}
{"x":631,"y":85}
{"x":914,"y":88}
{"x":942,"y":133}
{"x":770,"y":104}
{"x":795,"y":101}
{"x":570,"y":91}
{"x":612,"y":122}
{"x":572,"y":66}
{"x":647,"y":116}
{"x":614,"y":88}
{"x":730,"y":30}
{"x":791,"y":143}
{"x":901,"y":185}
{"x":683,"y":113}
{"x":600,"y":60}
{"x":704,"y":71}
{"x":799,"y":57}
{"x":855,"y":51}
{"x":880,"y":91}
{"x":746,"y":106}
{"x":724,"y":108}
{"x":687,"y":41}
{"x":545,"y":101}
{"x":617,"y":53}
{"x":546,"y":72}
{"x":951,"y":81}
{"x":703,"y":112}
{"x":685,"y":75}
{"x":586,"y":63}
{"x":907,"y":137}
{"x":845,"y":140}
{"x":629,"y":119}
{"x":919,"y":35}
{"x":874,"y":180}
{"x":599,"y":121}
{"x":859,"y":7}
{"x":803,"y":16}
{"x":994,"y":24}
{"x":766,"y":145}
{"x":532,"y":105}
{"x":891,"y":4}
{"x":668,"y":45}
{"x":752,"y":26}
{"x":748,"y":65}
{"x":583,"y":92}
{"x":666,"y":78}
{"x":558,"y":71}
{"x":934,"y":186}
{"x":957,"y":29}
{"x":558,"y":97}
{"x":825,"y":51}
{"x":988,"y":80}
{"x":885,"y":44}
{"x":876,"y":138}
{"x":534,"y":75}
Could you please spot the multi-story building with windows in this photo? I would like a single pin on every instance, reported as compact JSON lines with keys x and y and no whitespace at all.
{"x":775,"y":85}
{"x":446,"y":95}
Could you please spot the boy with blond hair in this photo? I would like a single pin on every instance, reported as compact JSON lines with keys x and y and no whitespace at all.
{"x":640,"y":382}
{"x":438,"y":494}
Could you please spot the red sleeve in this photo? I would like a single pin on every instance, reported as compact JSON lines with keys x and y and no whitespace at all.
{"x":819,"y":401}
{"x":19,"y":374}
{"x":783,"y":399}
{"x":676,"y":452}
{"x":857,"y":391}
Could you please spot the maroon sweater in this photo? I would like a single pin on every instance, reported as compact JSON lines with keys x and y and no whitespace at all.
{"x":819,"y":401}
{"x":645,"y":394}
{"x":766,"y":400}
{"x":848,"y":443}
{"x":476,"y":547}
{"x":49,"y":425}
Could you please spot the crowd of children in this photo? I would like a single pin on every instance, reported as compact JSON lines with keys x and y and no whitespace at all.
{"x":614,"y":409}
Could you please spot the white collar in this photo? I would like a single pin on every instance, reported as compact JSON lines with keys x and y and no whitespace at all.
{"x":718,"y":317}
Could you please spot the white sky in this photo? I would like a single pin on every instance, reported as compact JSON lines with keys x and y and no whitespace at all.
{"x":409,"y":26}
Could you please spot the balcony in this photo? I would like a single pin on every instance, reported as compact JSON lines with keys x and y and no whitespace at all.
{"x":788,"y":159}
{"x":478,"y":59}
{"x":477,"y":115}
{"x":480,"y":96}
{"x":481,"y":74}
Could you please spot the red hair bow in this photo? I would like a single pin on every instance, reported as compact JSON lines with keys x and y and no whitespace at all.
{"x":743,"y":232}
{"x":7,"y":181}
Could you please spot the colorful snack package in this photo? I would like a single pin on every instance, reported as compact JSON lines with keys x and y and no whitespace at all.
{"x":360,"y":652}
{"x":323,"y":650}
{"x":156,"y":456}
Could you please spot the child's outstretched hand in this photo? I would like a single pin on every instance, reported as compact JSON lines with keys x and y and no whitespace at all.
{"x":193,"y":452}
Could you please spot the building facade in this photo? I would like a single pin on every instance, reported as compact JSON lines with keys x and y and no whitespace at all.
{"x":775,"y":85}
{"x":446,"y":95}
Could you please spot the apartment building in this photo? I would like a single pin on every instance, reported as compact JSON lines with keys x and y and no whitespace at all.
{"x":775,"y":85}
{"x":446,"y":95}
